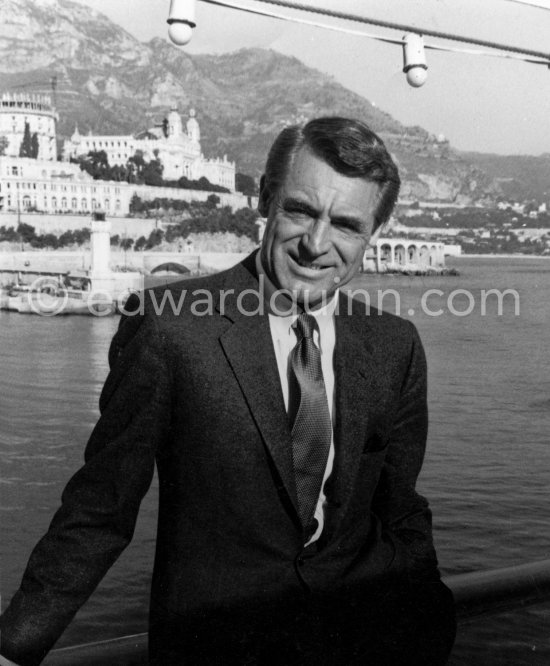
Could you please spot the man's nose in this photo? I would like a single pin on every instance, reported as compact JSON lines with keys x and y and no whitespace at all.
{"x":316,"y":240}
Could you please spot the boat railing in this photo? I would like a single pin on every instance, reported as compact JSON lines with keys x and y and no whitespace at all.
{"x":478,"y":593}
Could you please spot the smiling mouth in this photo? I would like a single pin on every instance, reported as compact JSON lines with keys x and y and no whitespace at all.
{"x":308,"y":264}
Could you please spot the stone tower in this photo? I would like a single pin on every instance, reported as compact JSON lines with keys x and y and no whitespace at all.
{"x":193,"y":129}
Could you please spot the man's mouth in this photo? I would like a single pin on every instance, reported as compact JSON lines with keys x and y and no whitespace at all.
{"x":309,"y":264}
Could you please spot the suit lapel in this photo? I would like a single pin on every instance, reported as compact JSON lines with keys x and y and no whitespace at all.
{"x":249,"y":351}
{"x":356,"y":372}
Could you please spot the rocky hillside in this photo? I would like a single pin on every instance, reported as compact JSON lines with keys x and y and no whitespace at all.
{"x":109,"y":82}
{"x":520,"y":177}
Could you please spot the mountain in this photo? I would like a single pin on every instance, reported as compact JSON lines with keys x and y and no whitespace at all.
{"x":520,"y":177}
{"x":39,"y":34}
{"x":109,"y":82}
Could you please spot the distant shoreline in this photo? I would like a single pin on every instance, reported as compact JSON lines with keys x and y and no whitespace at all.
{"x":501,"y":256}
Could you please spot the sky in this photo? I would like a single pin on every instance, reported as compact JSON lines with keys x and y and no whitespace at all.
{"x":479,"y":103}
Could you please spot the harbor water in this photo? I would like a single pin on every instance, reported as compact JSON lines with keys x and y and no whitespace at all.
{"x":487,"y":469}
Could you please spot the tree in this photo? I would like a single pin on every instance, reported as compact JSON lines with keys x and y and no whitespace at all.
{"x":126,"y":243}
{"x":136,"y":204}
{"x":212,"y":200}
{"x":8,"y":234}
{"x":46,"y":240}
{"x":136,"y":164}
{"x":245,"y":184}
{"x":243,"y":222}
{"x":66,"y":238}
{"x":96,"y":164}
{"x":155,"y":238}
{"x":4,"y":143}
{"x":152,"y":173}
{"x":205,"y":218}
{"x":25,"y":149}
{"x":140,"y":243}
{"x":118,"y":172}
{"x":81,"y":236}
{"x":35,"y":146}
{"x":26,"y":232}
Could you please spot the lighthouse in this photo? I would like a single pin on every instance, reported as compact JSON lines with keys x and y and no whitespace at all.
{"x":100,"y":242}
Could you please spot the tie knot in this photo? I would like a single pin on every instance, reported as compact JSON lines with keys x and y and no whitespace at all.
{"x":305,"y":325}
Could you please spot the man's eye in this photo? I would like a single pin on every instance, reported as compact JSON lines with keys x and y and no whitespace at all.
{"x":346,"y":225}
{"x":298,"y":212}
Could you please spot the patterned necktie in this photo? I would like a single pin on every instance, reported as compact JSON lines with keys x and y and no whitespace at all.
{"x":311,"y":424}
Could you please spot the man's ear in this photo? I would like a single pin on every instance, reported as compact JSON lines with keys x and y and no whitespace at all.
{"x":264,"y":198}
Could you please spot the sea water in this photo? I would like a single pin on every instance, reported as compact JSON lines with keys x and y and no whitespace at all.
{"x":487,"y":468}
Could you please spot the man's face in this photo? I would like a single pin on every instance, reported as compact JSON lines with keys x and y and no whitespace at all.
{"x":318,"y":226}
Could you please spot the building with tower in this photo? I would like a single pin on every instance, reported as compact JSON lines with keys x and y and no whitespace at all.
{"x":177,"y":147}
{"x":41,"y":183}
{"x":35,"y":111}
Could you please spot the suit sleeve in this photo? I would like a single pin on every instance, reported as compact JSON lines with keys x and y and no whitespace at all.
{"x":99,"y":506}
{"x":405,"y":515}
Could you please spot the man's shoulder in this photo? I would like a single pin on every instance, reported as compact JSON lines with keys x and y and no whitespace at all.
{"x":373,"y":318}
{"x":191,"y":288}
{"x":194,"y":295}
{"x":383,"y":335}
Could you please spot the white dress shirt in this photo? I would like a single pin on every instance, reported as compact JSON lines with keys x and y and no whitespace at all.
{"x":284,"y":340}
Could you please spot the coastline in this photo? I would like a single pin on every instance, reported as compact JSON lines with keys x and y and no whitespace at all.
{"x":502,"y":256}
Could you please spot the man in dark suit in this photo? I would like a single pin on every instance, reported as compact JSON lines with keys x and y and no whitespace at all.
{"x":288,"y":425}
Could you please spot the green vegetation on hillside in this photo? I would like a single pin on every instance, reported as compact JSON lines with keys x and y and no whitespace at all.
{"x":475,"y":218}
{"x":26,"y":234}
{"x":180,"y":218}
{"x":139,"y":171}
{"x":482,"y":231}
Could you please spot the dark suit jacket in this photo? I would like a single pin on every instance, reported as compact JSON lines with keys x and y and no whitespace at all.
{"x":197,"y":390}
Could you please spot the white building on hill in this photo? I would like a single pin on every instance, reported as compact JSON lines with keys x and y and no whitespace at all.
{"x":52,"y":187}
{"x":28,"y":185}
{"x":17,"y":110}
{"x":45,"y":185}
{"x":177,"y":148}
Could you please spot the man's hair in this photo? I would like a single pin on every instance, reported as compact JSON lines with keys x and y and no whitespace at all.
{"x":349,"y":146}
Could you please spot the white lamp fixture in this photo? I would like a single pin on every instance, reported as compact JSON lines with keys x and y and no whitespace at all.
{"x":181,"y":21}
{"x":414,"y":60}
